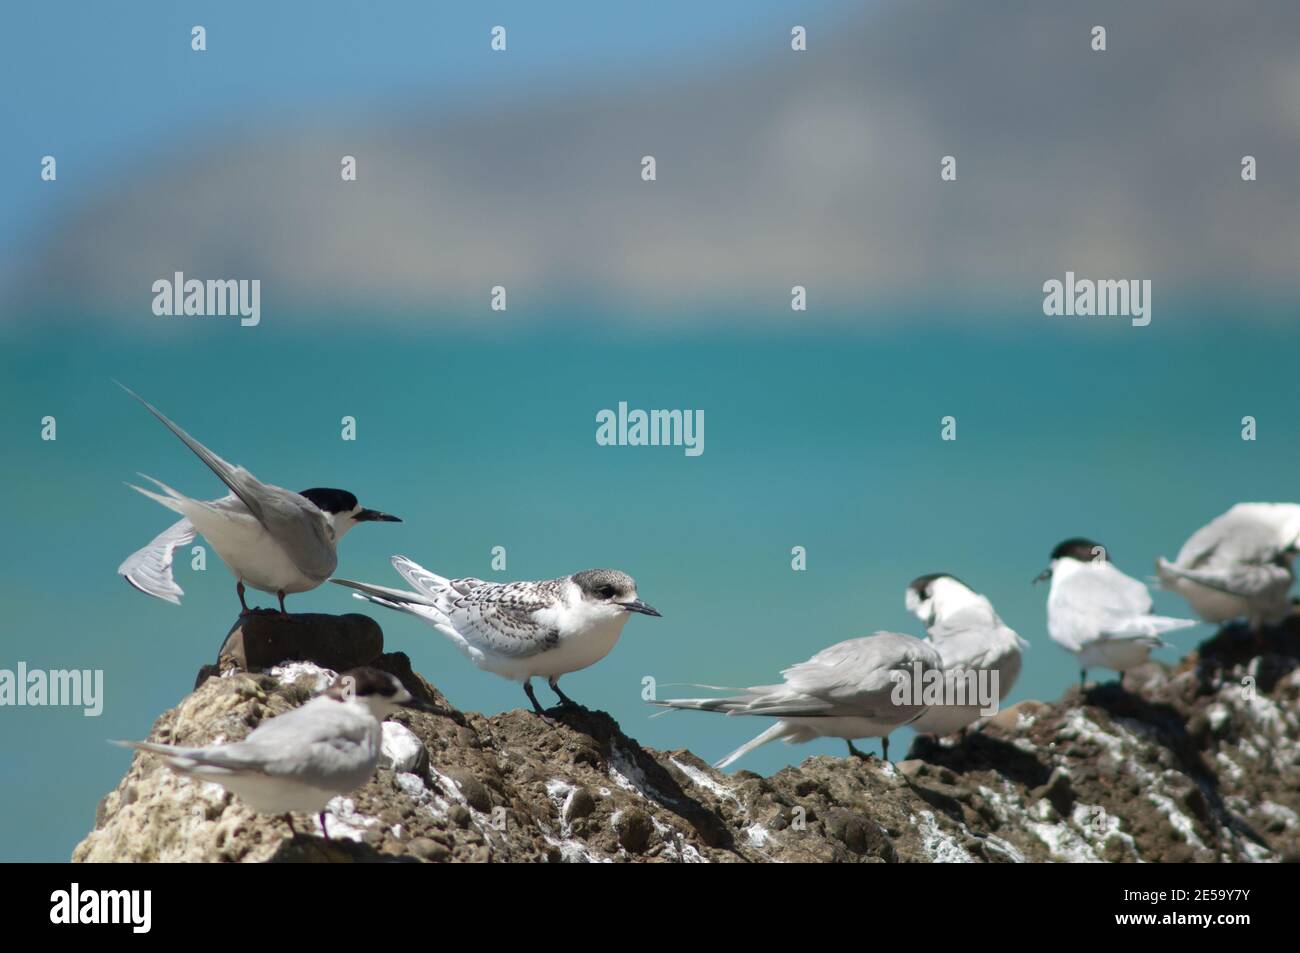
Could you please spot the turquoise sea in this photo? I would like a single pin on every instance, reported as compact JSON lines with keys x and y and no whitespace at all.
{"x":479,"y":438}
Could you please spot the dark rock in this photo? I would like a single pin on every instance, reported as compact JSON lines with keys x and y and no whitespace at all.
{"x":1058,"y":791}
{"x":471,"y":789}
{"x":634,"y":829}
{"x":262,"y":640}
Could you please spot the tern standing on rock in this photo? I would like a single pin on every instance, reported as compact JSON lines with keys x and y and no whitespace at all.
{"x":302,"y":759}
{"x":519,"y":630}
{"x":845,"y":691}
{"x":271,"y":539}
{"x":1098,"y":613}
{"x":970,"y":638}
{"x":1238,"y":566}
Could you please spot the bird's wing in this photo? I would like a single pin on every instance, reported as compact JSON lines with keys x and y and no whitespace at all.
{"x":300,"y":527}
{"x":503,"y":618}
{"x":1098,"y":602}
{"x":977,"y":647}
{"x":322,"y":737}
{"x":856,"y":677}
{"x":490,"y":619}
{"x":237,"y":478}
{"x":973,"y":616}
{"x":1238,"y":579}
{"x":851,"y":679}
{"x":438,"y":588}
{"x":294,"y":521}
{"x":309,"y":744}
{"x":1248,"y":532}
{"x":1099,"y":590}
{"x":150,"y":569}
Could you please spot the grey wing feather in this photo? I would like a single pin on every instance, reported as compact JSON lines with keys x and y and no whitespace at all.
{"x":149,"y":569}
{"x":1102,"y":590}
{"x":1240,"y":579}
{"x":318,"y":738}
{"x":854,"y":678}
{"x":293,"y":520}
{"x":300,"y":527}
{"x":1248,"y":532}
{"x":301,"y":743}
{"x":237,"y":478}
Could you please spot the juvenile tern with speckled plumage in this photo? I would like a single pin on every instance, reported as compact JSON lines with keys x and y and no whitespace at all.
{"x":519,"y":630}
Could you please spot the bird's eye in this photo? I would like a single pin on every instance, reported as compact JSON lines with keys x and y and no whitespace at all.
{"x":607,"y":592}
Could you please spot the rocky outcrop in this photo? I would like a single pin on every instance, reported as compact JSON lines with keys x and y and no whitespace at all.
{"x":1198,"y":762}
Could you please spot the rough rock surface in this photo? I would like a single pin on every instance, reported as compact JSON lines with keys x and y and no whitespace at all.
{"x":1199,"y":762}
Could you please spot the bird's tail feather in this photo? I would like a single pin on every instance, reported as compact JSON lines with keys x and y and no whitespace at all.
{"x":182,"y":760}
{"x":422,"y":612}
{"x":173,"y":500}
{"x":780,"y":729}
{"x":1164,"y":623}
{"x":386,"y":596}
{"x":725,"y":705}
{"x":1166,"y":574}
{"x":152,"y":747}
{"x":428,"y":583}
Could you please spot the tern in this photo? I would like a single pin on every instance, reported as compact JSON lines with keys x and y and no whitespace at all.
{"x":271,"y":539}
{"x":970,"y":638}
{"x":1098,"y":613}
{"x":1238,"y":565}
{"x":519,"y":630}
{"x":300,"y":760}
{"x":844,"y":691}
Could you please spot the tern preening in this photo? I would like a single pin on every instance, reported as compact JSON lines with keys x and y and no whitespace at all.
{"x":1238,"y":566}
{"x":970,"y":638}
{"x":844,"y":691}
{"x":1098,"y":613}
{"x":519,"y":630}
{"x":271,"y":539}
{"x":300,"y":760}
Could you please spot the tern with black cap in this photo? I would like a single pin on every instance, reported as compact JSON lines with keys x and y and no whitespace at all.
{"x":845,"y":691}
{"x":302,"y":759}
{"x":1098,"y":613}
{"x":271,"y":539}
{"x":970,"y":638}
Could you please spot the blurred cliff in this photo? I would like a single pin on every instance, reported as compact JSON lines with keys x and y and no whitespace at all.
{"x":774,"y":168}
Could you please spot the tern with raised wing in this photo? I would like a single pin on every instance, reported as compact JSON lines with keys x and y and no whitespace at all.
{"x":271,"y":539}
